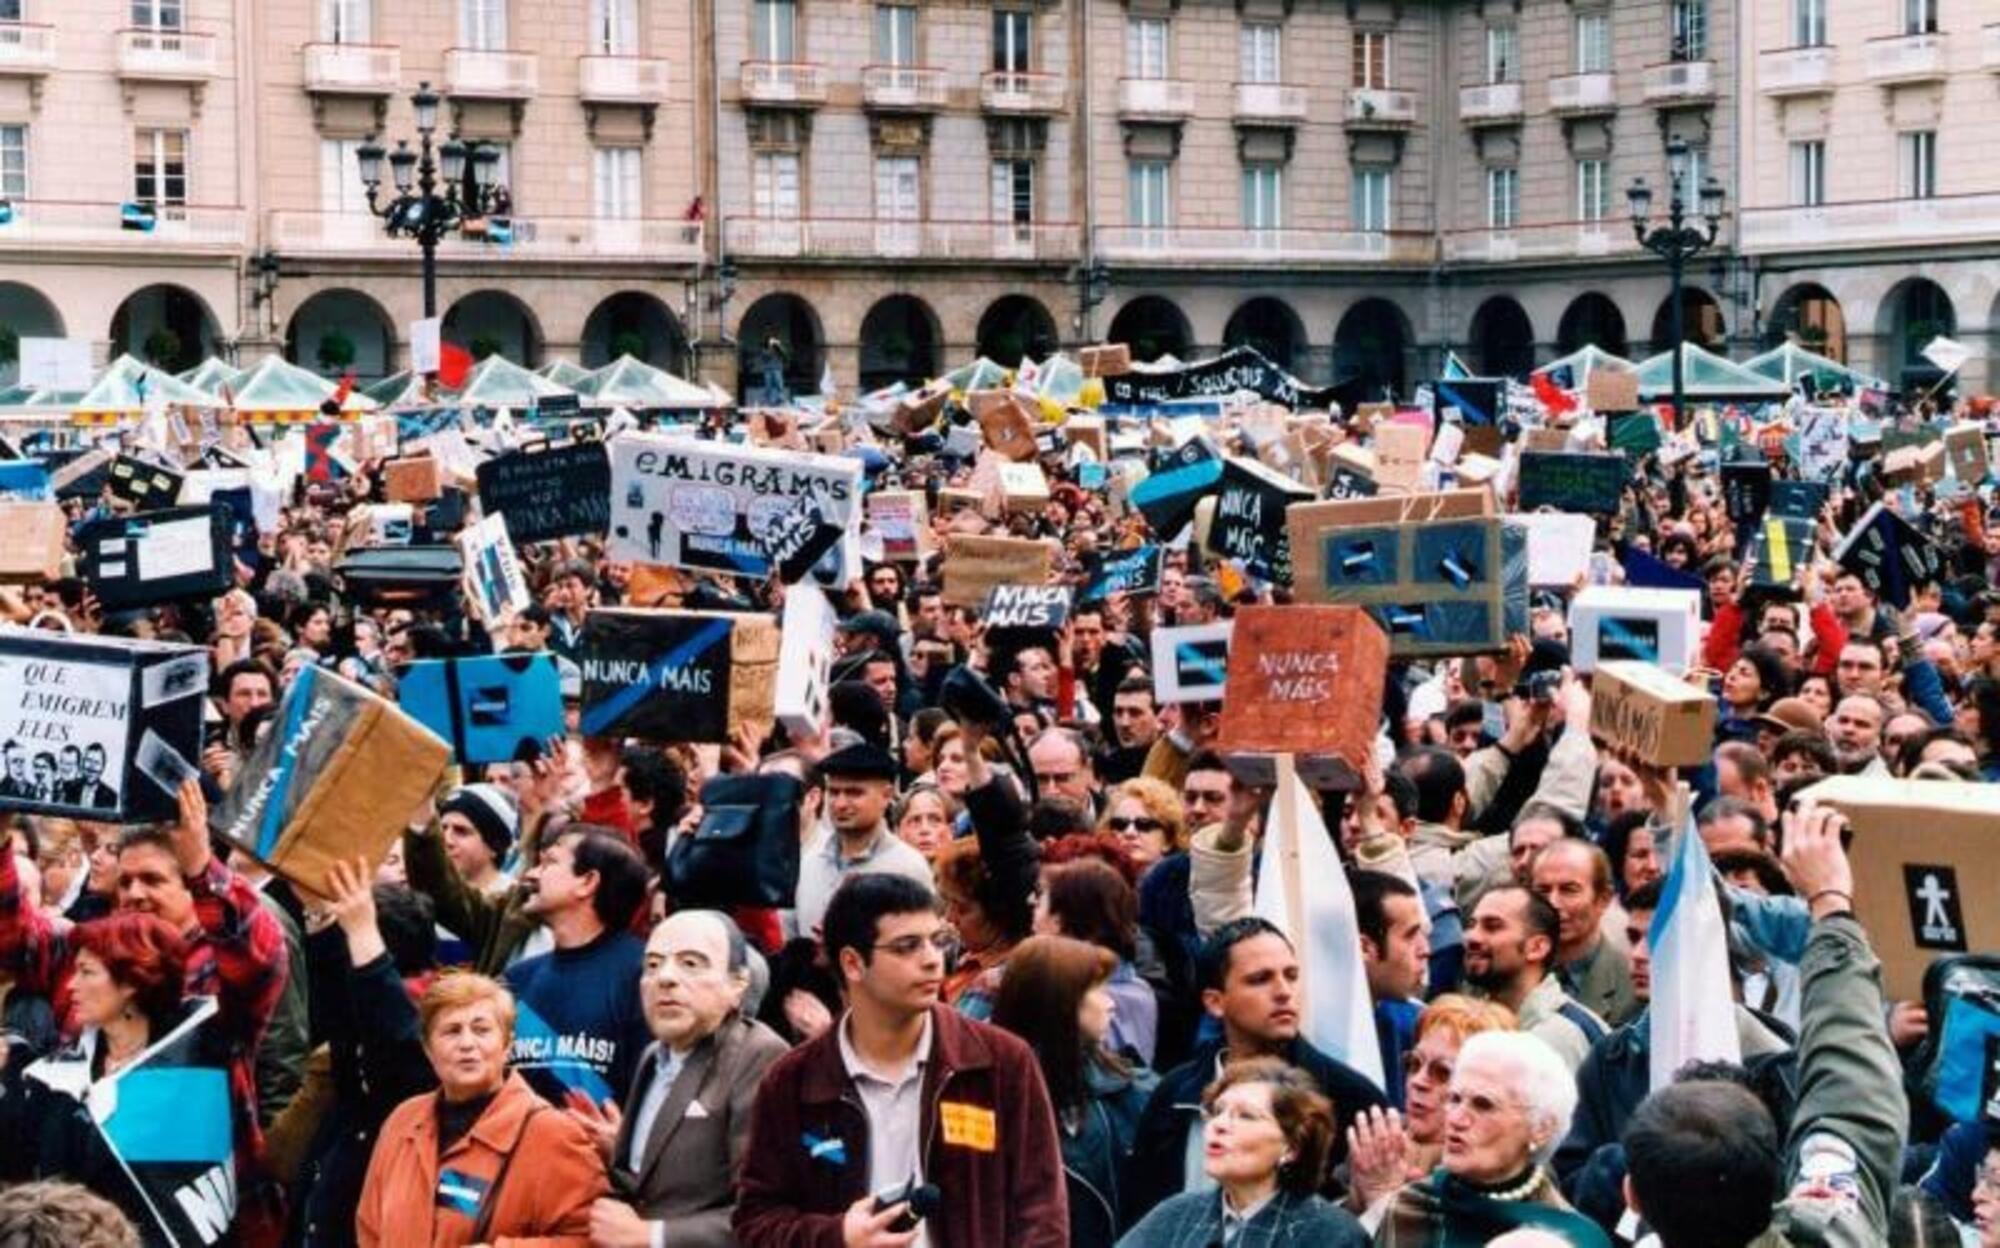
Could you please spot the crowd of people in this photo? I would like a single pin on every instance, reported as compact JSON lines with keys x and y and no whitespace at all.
{"x":1022,"y":995}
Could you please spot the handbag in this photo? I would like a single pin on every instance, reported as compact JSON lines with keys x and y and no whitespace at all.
{"x":745,"y":852}
{"x":393,"y":576}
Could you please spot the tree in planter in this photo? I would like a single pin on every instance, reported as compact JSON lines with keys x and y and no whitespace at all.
{"x":336,"y":351}
{"x":483,"y":346}
{"x":162,"y":348}
{"x":631,"y":342}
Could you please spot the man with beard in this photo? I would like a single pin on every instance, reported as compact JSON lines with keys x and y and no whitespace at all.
{"x":1510,"y":941}
{"x":1855,"y":730}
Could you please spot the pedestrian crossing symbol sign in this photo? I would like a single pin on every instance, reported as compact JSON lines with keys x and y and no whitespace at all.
{"x":1935,"y":917}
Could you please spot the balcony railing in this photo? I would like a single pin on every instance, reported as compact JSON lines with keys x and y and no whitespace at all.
{"x":1022,"y":91}
{"x":72,"y":225}
{"x":1383,"y":108}
{"x":1270,"y":102}
{"x":353,"y":68}
{"x":1161,"y":99}
{"x":1872,"y":223}
{"x":1796,"y":71}
{"x":1895,"y":59}
{"x":783,"y":82}
{"x":166,"y":55}
{"x":535,"y":239}
{"x":26,"y":48}
{"x":1561,"y":240}
{"x":1679,"y":82}
{"x":1198,"y":245}
{"x":621,"y":79}
{"x":862,"y":238}
{"x":1989,"y":49}
{"x":904,"y":88}
{"x":1494,"y":103}
{"x":479,"y":73}
{"x":1578,"y":95}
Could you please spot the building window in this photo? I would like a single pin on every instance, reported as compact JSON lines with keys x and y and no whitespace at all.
{"x":897,"y":179}
{"x":614,"y":27}
{"x":1809,"y":173}
{"x":1920,"y":17}
{"x":1263,"y":198}
{"x":1371,"y":58}
{"x":344,"y":21}
{"x":1371,"y":199}
{"x":771,"y":37}
{"x":1260,"y":53}
{"x":160,"y":167}
{"x":1147,"y":180}
{"x":1146,"y":47}
{"x":1503,"y":198}
{"x":895,"y":34}
{"x":340,"y":189}
{"x":157,"y":14}
{"x":774,"y":185}
{"x":1014,"y":191}
{"x":10,"y":10}
{"x":1593,"y":43}
{"x":1690,"y":30}
{"x":1503,"y":53}
{"x":618,"y":181}
{"x":1809,"y":23}
{"x":13,"y":162}
{"x":1013,"y":40}
{"x":1919,"y":161}
{"x":482,"y":25}
{"x":1593,"y":190}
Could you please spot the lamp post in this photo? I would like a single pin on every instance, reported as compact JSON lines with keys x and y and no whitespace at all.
{"x":423,"y":213}
{"x":1093,"y":286}
{"x":1677,"y":242}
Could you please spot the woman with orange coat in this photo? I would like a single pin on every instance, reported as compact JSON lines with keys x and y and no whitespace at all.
{"x":483,"y":1160}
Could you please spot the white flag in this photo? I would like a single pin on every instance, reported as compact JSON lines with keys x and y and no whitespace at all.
{"x":1337,"y":1015}
{"x":1947,"y":354}
{"x":1692,"y":1015}
{"x":827,"y":387}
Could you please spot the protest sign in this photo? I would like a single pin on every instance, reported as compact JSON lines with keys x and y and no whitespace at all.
{"x":55,"y":363}
{"x":24,"y":480}
{"x":492,"y":708}
{"x":1435,"y":586}
{"x":1135,"y":573}
{"x":1805,"y":499}
{"x":1308,"y":523}
{"x":677,"y":675}
{"x":1573,"y":481}
{"x":1664,"y":721}
{"x":1780,"y":547}
{"x":99,"y":728}
{"x":1238,"y":369}
{"x":144,"y":485}
{"x":1190,"y":663}
{"x":494,"y":582}
{"x":1661,"y":626}
{"x":707,"y":505}
{"x":1038,"y":608}
{"x":1822,"y":440}
{"x":1605,"y":390}
{"x":1746,"y":494}
{"x":1023,"y":487}
{"x":798,"y":537}
{"x":1305,"y":681}
{"x":339,"y":776}
{"x":1559,"y":546}
{"x":897,"y":516}
{"x":1965,"y":446}
{"x":1249,"y":524}
{"x":1891,"y":558}
{"x":1477,"y":400}
{"x":1924,"y":884}
{"x":1344,"y":481}
{"x":416,"y":479}
{"x":973,"y":565}
{"x":1107,"y":360}
{"x":1168,"y":496}
{"x":548,"y":492}
{"x":157,"y":556}
{"x":1635,"y":433}
{"x":1399,"y":455}
{"x":427,"y":345}
{"x":805,"y":661}
{"x":1089,"y":433}
{"x":37,"y":536}
{"x":1005,"y":423}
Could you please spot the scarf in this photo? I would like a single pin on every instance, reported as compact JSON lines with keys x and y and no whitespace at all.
{"x":1443,"y":1211}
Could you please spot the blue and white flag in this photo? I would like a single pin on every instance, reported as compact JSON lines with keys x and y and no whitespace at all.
{"x":1336,"y":1015}
{"x":1693,"y":1013}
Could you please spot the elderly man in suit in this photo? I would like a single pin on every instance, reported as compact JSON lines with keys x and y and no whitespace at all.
{"x":675,"y":1147}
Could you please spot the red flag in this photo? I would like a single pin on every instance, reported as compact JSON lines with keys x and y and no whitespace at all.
{"x":454,"y":363}
{"x":1557,"y":400}
{"x":341,"y":391}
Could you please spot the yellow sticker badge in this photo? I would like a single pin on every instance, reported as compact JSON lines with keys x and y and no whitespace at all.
{"x":968,"y":1126}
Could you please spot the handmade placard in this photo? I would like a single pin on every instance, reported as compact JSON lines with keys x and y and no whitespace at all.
{"x":798,"y":538}
{"x":676,"y":675}
{"x":805,"y":660}
{"x":897,"y":517}
{"x":24,"y":480}
{"x":1891,"y":558}
{"x":1023,"y":487}
{"x":1135,"y":573}
{"x":157,"y":556}
{"x":1965,"y":447}
{"x":414,"y":479}
{"x":492,"y":708}
{"x":1805,"y":499}
{"x":1038,"y":608}
{"x":1249,"y":524}
{"x":1399,"y":455}
{"x":1664,"y":721}
{"x":1478,"y":400}
{"x":494,"y":581}
{"x":1436,"y":587}
{"x":548,"y":492}
{"x":1781,"y":546}
{"x":99,"y":728}
{"x":142,"y":484}
{"x":1191,"y":663}
{"x":1607,"y":391}
{"x":1559,"y":546}
{"x":1659,"y":626}
{"x":973,"y":565}
{"x":1573,"y":481}
{"x":707,"y":505}
{"x":1746,"y":494}
{"x":1305,"y":680}
{"x":36,"y":540}
{"x":1005,"y":423}
{"x":1167,"y":498}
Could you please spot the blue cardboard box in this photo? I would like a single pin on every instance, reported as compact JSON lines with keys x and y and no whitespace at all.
{"x":496,"y":708}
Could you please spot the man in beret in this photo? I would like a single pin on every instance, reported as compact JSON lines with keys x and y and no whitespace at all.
{"x":860,"y":783}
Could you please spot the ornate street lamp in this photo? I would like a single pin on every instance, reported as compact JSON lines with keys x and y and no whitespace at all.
{"x":1677,"y":242}
{"x":431,"y":195}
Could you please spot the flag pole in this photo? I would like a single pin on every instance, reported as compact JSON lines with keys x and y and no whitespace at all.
{"x":1290,"y":865}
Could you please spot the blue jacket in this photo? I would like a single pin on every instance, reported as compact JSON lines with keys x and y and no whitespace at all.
{"x":1194,"y":1220}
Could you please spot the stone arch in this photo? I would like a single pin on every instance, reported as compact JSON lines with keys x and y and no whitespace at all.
{"x":165,"y":325}
{"x":1914,"y":311}
{"x":795,"y":326}
{"x":1014,"y":326}
{"x":341,"y":330}
{"x":494,"y":322}
{"x":899,"y":342}
{"x":1371,"y":346}
{"x":1593,"y":320}
{"x":1810,"y":315}
{"x":637,"y":324}
{"x":25,"y":312}
{"x":1153,"y":326}
{"x":1502,"y":339}
{"x":1701,"y":321}
{"x":1270,"y":325}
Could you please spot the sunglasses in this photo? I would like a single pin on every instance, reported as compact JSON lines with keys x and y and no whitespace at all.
{"x":1139,"y":825}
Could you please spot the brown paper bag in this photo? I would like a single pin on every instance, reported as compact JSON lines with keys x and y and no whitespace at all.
{"x":973,"y":565}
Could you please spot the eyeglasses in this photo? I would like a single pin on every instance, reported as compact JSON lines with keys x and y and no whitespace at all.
{"x":1986,"y":1182}
{"x":944,"y":940}
{"x":1480,"y":1104}
{"x":1436,"y":1069}
{"x":1236,"y":1114}
{"x":1138,"y":825}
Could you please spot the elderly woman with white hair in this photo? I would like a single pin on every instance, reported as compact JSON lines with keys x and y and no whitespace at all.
{"x":1508,"y":1106}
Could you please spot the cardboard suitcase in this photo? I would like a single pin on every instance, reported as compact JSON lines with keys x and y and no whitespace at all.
{"x":492,"y":708}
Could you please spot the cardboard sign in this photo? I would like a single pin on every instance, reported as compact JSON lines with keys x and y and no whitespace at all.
{"x":417,"y":479}
{"x":1573,"y":481}
{"x":1607,"y":391}
{"x":1306,"y":681}
{"x":1965,"y":447}
{"x":157,"y":556}
{"x":36,"y":539}
{"x":707,"y":505}
{"x":677,"y":675}
{"x":492,"y":708}
{"x":1660,"y":626}
{"x":1308,"y":523}
{"x":98,"y":728}
{"x":1399,"y":455}
{"x":1191,"y":663}
{"x":805,"y":663}
{"x":1559,"y":546}
{"x":1822,"y":439}
{"x":340,"y":774}
{"x":1746,"y":494}
{"x":1804,"y":499}
{"x":494,"y":582}
{"x":1665,"y":721}
{"x":1435,"y":587}
{"x":1635,"y":433}
{"x":1167,"y":498}
{"x":25,"y":480}
{"x":973,"y":565}
{"x":1038,"y":608}
{"x":1005,"y":423}
{"x":1135,"y":573}
{"x":1089,"y":432}
{"x":1249,"y":523}
{"x":142,"y":484}
{"x":549,"y":492}
{"x":1891,"y":558}
{"x":1924,"y":884}
{"x":1345,"y":482}
{"x":1780,"y":546}
{"x":1108,"y":360}
{"x":1477,"y":400}
{"x":798,"y":538}
{"x":1023,"y":487}
{"x":56,"y":363}
{"x":897,"y":517}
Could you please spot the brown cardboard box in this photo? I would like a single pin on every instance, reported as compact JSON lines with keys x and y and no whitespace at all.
{"x":1306,"y":522}
{"x":1965,"y":445}
{"x":1304,"y":680}
{"x":1924,"y":883}
{"x":973,"y":565}
{"x":899,"y":517}
{"x":952,"y":500}
{"x":1006,"y":423}
{"x":33,"y":549}
{"x":1023,"y":487}
{"x":1609,"y":391}
{"x":1369,"y":415}
{"x":678,"y":675}
{"x":1089,"y":431}
{"x":1109,"y":360}
{"x":918,"y":412}
{"x":417,"y":479}
{"x":1399,"y":455}
{"x":1546,"y":439}
{"x":1667,"y":722}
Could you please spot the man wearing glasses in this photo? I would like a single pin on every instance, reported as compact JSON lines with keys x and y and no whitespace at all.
{"x":902,"y":1091}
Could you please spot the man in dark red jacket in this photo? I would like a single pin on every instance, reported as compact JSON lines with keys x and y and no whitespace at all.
{"x":901,"y":1089}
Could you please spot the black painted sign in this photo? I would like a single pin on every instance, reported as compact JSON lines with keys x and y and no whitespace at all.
{"x":560,"y":491}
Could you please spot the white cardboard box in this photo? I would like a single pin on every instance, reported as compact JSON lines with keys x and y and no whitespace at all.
{"x":1191,"y":663}
{"x":805,"y":656}
{"x":1661,"y":626}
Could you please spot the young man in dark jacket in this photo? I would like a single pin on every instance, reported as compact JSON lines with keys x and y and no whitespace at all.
{"x":901,"y":1089}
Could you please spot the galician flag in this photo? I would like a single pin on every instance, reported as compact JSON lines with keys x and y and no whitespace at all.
{"x":1302,"y":890}
{"x":1693,"y":1015}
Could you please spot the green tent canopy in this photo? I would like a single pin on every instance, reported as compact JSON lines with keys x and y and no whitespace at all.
{"x":128,"y":385}
{"x":564,"y":373}
{"x":274,"y":385}
{"x":628,"y":382}
{"x":211,"y":375}
{"x":497,"y":381}
{"x":1705,"y":376}
{"x":1589,"y":359}
{"x":1791,"y":361}
{"x":406,"y":389}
